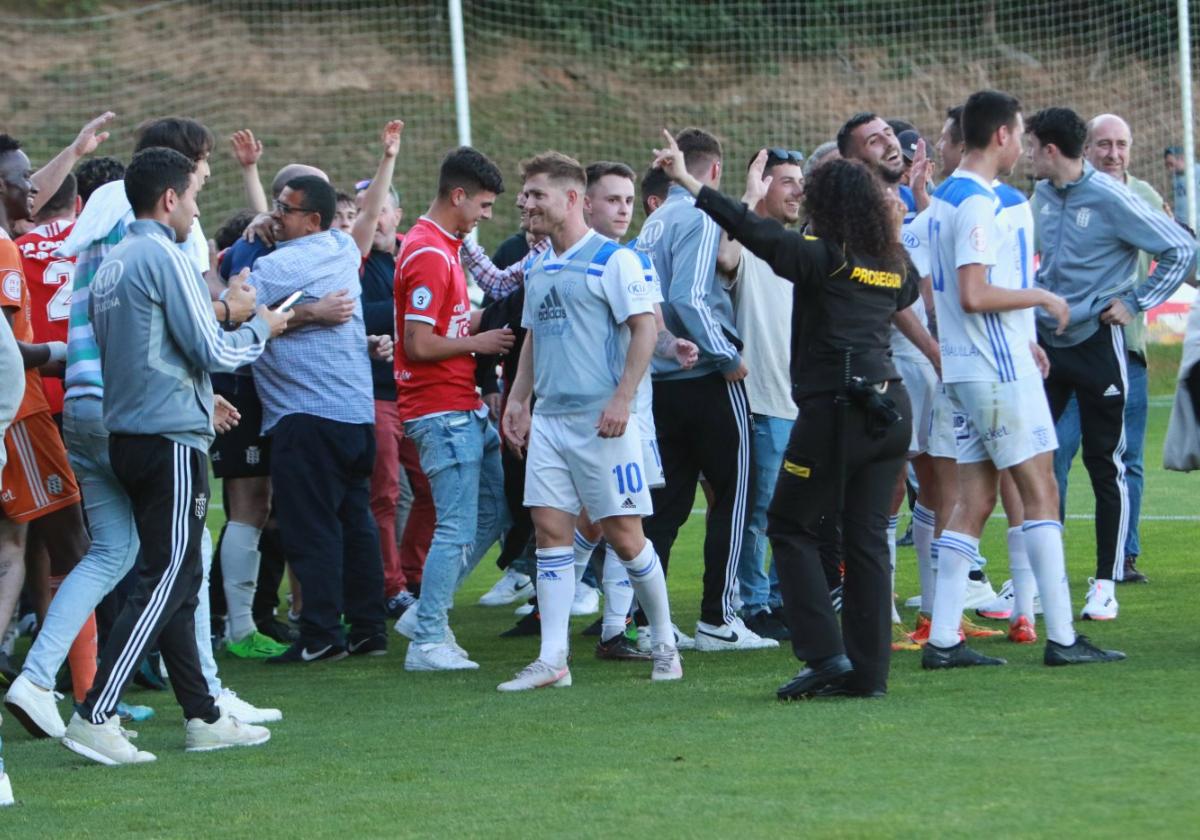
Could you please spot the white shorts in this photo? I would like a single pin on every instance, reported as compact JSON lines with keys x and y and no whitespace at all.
{"x":1006,"y":423}
{"x":920,"y":380}
{"x":569,"y":467}
{"x":941,"y":439}
{"x":652,"y":466}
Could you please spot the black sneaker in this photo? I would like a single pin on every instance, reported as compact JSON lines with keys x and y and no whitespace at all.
{"x":373,"y":645}
{"x":619,"y":647}
{"x":149,"y":673}
{"x":299,"y":652}
{"x":846,"y":690}
{"x":275,"y":629}
{"x":1083,"y":652}
{"x":398,"y":604}
{"x":766,"y":624}
{"x":593,"y":629}
{"x":829,"y":674}
{"x":1132,"y":575}
{"x":934,"y":658}
{"x":529,"y":624}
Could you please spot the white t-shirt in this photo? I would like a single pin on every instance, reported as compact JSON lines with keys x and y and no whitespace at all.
{"x":762,"y":311}
{"x":968,"y":226}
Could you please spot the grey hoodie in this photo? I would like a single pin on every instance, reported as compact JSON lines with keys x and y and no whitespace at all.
{"x":682,"y":242}
{"x":1089,"y":234}
{"x":159,"y":339}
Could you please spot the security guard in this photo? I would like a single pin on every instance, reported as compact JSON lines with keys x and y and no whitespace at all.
{"x":850,"y":440}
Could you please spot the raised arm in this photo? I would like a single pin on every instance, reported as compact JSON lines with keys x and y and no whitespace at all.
{"x":363,"y":230}
{"x":50,"y":177}
{"x":247,"y":150}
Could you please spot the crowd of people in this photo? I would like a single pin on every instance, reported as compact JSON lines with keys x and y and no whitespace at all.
{"x":883,"y":319}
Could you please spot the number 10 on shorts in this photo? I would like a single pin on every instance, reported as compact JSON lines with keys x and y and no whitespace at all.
{"x":629,"y":477}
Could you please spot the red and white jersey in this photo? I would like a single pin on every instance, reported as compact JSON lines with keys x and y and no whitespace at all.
{"x":49,"y":280}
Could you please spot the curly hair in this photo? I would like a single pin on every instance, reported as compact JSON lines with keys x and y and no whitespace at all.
{"x":846,"y":204}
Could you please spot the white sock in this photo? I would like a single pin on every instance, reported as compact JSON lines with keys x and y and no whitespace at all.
{"x":583,"y":555}
{"x":618,"y":595}
{"x":650,"y":584}
{"x":955,"y":551}
{"x":239,"y":569}
{"x":1043,"y":544}
{"x":923,"y":542}
{"x":1024,"y":583}
{"x":204,"y":650}
{"x":555,"y":591}
{"x":893,"y":521}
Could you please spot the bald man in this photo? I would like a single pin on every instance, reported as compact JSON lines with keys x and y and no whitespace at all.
{"x":1107,"y":148}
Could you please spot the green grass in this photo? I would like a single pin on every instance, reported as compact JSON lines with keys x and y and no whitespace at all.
{"x":368,"y":750}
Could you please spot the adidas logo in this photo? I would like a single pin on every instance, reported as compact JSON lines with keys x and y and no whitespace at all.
{"x":628,"y":504}
{"x":551,"y":308}
{"x":548,"y":576}
{"x":1112,"y":391}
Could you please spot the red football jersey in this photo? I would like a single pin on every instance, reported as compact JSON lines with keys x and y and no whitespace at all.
{"x":14,"y":296}
{"x":49,"y":280}
{"x":431,"y":288}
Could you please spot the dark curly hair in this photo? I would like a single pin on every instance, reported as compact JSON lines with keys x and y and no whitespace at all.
{"x":847,"y":204}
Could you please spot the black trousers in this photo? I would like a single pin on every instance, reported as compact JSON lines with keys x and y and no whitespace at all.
{"x":1094,"y":371}
{"x":804,"y":494}
{"x":320,"y":474}
{"x":704,"y":426}
{"x":167,"y":484}
{"x":517,"y":537}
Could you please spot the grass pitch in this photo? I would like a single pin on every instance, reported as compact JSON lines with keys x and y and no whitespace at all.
{"x":368,"y":750}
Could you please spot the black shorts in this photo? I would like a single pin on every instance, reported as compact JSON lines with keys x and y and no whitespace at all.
{"x":242,"y":452}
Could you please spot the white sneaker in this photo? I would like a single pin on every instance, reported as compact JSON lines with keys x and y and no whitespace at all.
{"x":538,"y":674}
{"x":512,"y":586}
{"x":682,"y":640}
{"x":6,"y":794}
{"x":895,"y":615}
{"x":105,"y":743}
{"x":979,"y":593}
{"x":231,"y":704}
{"x":1101,"y":601}
{"x":667,"y":664}
{"x":36,"y":708}
{"x":524,"y":609}
{"x":1001,"y":606}
{"x":453,"y":642}
{"x":436,"y":656}
{"x":587,"y":600}
{"x":732,"y":636}
{"x":406,"y":625}
{"x":225,"y":731}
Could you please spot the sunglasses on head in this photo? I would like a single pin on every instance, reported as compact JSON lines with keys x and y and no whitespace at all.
{"x":786,"y":155}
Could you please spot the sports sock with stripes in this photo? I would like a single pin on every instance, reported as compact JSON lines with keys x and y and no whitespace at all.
{"x":555,"y":592}
{"x":1023,"y":582}
{"x":1043,"y":544}
{"x":650,"y":584}
{"x":618,"y":595}
{"x":583,"y":554}
{"x":923,"y":543}
{"x":955,"y":551}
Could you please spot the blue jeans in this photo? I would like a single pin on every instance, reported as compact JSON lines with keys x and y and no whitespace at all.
{"x":460,"y":455}
{"x":1069,"y":436}
{"x":758,"y":589}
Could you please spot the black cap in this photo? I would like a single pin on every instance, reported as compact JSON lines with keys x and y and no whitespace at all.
{"x":908,"y":144}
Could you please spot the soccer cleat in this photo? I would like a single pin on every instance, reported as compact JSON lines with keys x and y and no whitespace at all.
{"x":1022,"y":631}
{"x":256,"y":646}
{"x":6,"y":791}
{"x":436,"y":656}
{"x":131,"y":712}
{"x":1132,"y":575}
{"x":1083,"y":652}
{"x":512,"y":586}
{"x":844,"y":690}
{"x":968,"y":629}
{"x":921,"y":635}
{"x":1002,"y":606}
{"x":979,"y":592}
{"x":682,"y":640}
{"x":538,"y":674}
{"x":768,"y":625}
{"x":831,"y":673}
{"x":529,"y":624}
{"x":35,"y":708}
{"x":587,"y":600}
{"x":620,"y":648}
{"x":902,"y":639}
{"x":104,"y":743}
{"x":1101,"y":604}
{"x":960,"y":656}
{"x":733,"y":635}
{"x":398,"y":603}
{"x":226,"y":731}
{"x":373,"y":645}
{"x":299,"y":652}
{"x":667,"y":664}
{"x":528,"y":608}
{"x":275,"y":629}
{"x":229,"y":703}
{"x":596,"y":627}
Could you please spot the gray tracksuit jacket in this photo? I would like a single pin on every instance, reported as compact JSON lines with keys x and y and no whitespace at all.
{"x":159,"y":339}
{"x":1089,"y":234}
{"x":682,"y":242}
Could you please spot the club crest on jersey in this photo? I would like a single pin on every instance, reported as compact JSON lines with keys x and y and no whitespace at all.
{"x":12,"y":285}
{"x":200,"y":505}
{"x":421,"y":297}
{"x":253,"y":455}
{"x":1083,"y":217}
{"x":54,"y":484}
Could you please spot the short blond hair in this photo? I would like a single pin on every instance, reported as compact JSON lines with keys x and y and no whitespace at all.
{"x":556,"y":166}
